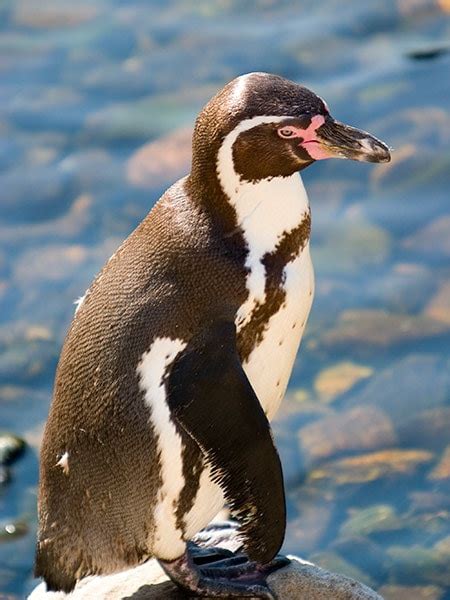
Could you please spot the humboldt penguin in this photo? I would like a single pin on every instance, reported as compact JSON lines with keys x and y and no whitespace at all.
{"x":180,"y":352}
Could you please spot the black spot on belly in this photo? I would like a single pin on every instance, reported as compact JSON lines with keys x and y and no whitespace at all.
{"x":287,"y":250}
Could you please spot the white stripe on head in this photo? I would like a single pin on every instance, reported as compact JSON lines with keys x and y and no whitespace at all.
{"x":265,"y":210}
{"x":152,"y":370}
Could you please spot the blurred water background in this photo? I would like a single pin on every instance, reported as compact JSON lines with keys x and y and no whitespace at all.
{"x":97,"y":101}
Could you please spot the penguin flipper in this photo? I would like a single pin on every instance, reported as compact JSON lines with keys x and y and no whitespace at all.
{"x":212,"y":399}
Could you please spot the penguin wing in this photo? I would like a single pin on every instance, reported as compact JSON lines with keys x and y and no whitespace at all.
{"x":213,"y":401}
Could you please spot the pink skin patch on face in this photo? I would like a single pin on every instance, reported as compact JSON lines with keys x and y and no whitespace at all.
{"x":309,"y":138}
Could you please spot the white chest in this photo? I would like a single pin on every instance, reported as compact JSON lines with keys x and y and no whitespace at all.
{"x":266,"y":211}
{"x":270,"y":364}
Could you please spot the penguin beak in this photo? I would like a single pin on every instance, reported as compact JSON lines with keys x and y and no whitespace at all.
{"x":342,"y":141}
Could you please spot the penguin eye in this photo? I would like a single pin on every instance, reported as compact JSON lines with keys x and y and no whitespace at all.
{"x":286,"y":132}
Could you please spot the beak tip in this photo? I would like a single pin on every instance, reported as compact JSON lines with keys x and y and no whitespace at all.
{"x":384,"y":157}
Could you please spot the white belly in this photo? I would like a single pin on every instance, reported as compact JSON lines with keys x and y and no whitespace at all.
{"x":270,"y":364}
{"x":268,"y":368}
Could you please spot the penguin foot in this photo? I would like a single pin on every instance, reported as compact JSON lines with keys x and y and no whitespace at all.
{"x":219,"y":573}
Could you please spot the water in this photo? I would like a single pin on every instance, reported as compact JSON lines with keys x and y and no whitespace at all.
{"x":364,"y":430}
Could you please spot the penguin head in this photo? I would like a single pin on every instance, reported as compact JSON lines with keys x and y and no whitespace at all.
{"x":264,"y":126}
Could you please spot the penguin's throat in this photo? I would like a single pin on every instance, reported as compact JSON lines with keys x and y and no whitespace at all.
{"x":265,"y":211}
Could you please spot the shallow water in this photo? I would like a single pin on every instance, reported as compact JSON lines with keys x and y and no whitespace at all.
{"x":364,"y":430}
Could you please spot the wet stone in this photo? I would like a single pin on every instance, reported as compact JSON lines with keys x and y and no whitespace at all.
{"x":417,"y":563}
{"x":370,"y":328}
{"x":442,"y":469}
{"x":316,"y":511}
{"x":12,"y":530}
{"x":427,"y":500}
{"x":52,"y":15}
{"x":363,"y":552}
{"x":161,"y":161}
{"x":338,"y":379}
{"x":5,"y":475}
{"x":427,"y":429}
{"x":361,"y":428}
{"x":403,"y":389}
{"x":411,"y":592}
{"x":370,"y":467}
{"x":439,"y":306}
{"x":349,"y":246}
{"x":92,"y":170}
{"x":432,"y":241}
{"x":331,"y":561}
{"x":54,"y":262}
{"x":380,"y":517}
{"x":40,"y":193}
{"x":406,"y":287}
{"x":419,"y":168}
{"x":11,"y":446}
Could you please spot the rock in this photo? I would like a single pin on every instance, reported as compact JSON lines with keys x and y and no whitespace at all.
{"x":11,"y":447}
{"x":372,"y":466}
{"x":405,"y":288}
{"x":377,"y":328}
{"x":165,"y":159}
{"x":411,"y":592}
{"x":379,"y":517}
{"x":53,"y":262}
{"x":427,"y":500}
{"x":419,"y":167}
{"x":417,"y":563}
{"x":439,"y":306}
{"x":52,"y":14}
{"x":402,"y":390}
{"x":37,"y":197}
{"x":364,"y":553}
{"x":338,"y":379}
{"x":298,"y":581}
{"x":68,"y":226}
{"x":349,"y":246}
{"x":433,"y":240}
{"x":316,"y":511}
{"x":427,"y":429}
{"x":361,"y":428}
{"x":140,"y":120}
{"x":12,"y":530}
{"x":442,"y":469}
{"x":333,"y":562}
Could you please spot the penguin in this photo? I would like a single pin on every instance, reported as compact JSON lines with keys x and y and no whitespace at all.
{"x":180,"y":352}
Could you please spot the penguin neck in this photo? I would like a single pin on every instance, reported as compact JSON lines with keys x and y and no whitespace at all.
{"x":261,"y":210}
{"x":267,"y":209}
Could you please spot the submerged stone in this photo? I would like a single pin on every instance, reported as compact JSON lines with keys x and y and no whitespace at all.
{"x":339,"y":378}
{"x":12,"y":530}
{"x":360,"y":428}
{"x":372,"y":466}
{"x":442,"y":469}
{"x":417,"y":563}
{"x":402,"y":391}
{"x":380,"y":517}
{"x":331,"y":561}
{"x":411,"y":592}
{"x":161,"y":161}
{"x":439,"y":306}
{"x":377,"y":328}
{"x":11,"y":447}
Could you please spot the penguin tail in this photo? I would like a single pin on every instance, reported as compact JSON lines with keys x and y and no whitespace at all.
{"x":52,"y":572}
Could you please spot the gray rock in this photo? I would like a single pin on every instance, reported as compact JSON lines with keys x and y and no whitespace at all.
{"x":298,"y":581}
